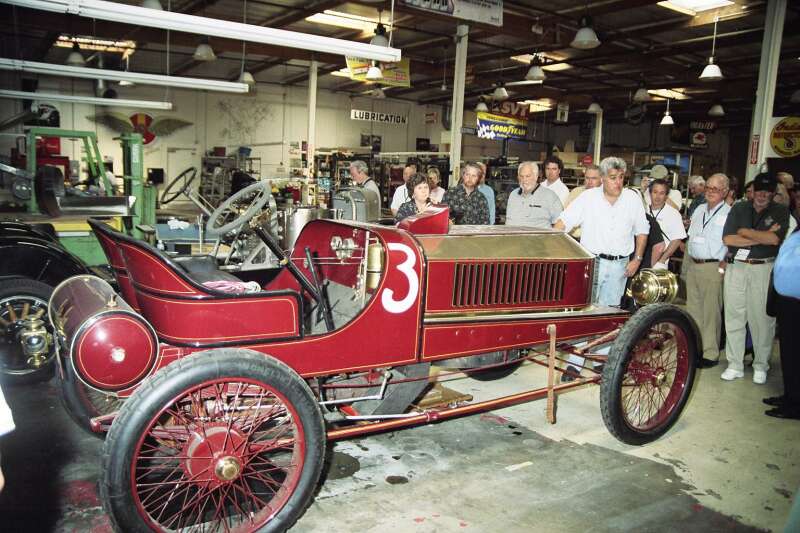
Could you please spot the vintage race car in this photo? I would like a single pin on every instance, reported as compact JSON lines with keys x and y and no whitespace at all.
{"x":218,"y":402}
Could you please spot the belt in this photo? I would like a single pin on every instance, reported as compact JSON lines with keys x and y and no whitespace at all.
{"x":753,"y":261}
{"x":700,"y":261}
{"x":612,"y":257}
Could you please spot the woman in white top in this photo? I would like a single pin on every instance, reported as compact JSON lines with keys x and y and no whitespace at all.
{"x":434,"y":178}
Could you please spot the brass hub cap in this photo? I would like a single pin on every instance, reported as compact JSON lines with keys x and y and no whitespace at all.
{"x":660,"y":378}
{"x":227,"y":468}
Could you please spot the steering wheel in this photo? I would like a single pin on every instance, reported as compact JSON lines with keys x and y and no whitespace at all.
{"x":217,"y":225}
{"x":187,"y":176}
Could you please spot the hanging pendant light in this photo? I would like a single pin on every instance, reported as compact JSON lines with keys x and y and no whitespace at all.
{"x":500,"y":93}
{"x":716,"y":110}
{"x":712,"y":72}
{"x":374,"y":72}
{"x":667,"y":120}
{"x":152,"y":4}
{"x":126,"y":83}
{"x":641,"y":95}
{"x":204,"y":52}
{"x":245,"y":76}
{"x":536,"y":72}
{"x":594,"y":108}
{"x":585,"y":37}
{"x":379,"y":39}
{"x":75,"y":58}
{"x":481,"y":107}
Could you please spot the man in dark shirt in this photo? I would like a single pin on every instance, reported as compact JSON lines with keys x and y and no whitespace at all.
{"x":467,"y":204}
{"x":753,"y":233}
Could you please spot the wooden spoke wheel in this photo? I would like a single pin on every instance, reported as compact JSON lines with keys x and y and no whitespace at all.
{"x":225,"y":440}
{"x":21,"y":300}
{"x":649,"y":374}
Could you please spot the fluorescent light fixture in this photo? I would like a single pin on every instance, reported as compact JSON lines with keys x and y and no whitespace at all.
{"x":168,"y":20}
{"x":113,"y":102}
{"x":51,"y":69}
{"x":585,"y":38}
{"x":330,"y":17}
{"x":342,"y":72}
{"x":716,"y":110}
{"x":594,"y":108}
{"x":538,"y":106}
{"x":672,"y":94}
{"x":711,"y":72}
{"x":693,"y":7}
{"x":204,"y":52}
{"x":124,"y":47}
{"x":75,"y":58}
{"x":481,"y":107}
{"x":500,"y":93}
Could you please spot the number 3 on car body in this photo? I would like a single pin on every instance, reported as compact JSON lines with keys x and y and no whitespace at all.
{"x":407,"y":268}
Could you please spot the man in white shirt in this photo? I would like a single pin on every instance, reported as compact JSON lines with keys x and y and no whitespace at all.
{"x":705,"y":266}
{"x":614,"y":226}
{"x":359,"y":171}
{"x":552,"y":173}
{"x":400,"y":195}
{"x":669,"y":221}
{"x":530,"y":204}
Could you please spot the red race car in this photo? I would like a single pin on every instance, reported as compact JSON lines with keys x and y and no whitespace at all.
{"x":218,"y":395}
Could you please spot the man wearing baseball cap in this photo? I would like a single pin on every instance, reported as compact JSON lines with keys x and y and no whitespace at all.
{"x":753,"y":233}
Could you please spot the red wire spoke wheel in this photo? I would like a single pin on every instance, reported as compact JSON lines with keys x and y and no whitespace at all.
{"x":225,"y":440}
{"x":649,"y":375}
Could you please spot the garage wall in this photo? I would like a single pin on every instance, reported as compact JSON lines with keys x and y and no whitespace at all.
{"x":267,"y":121}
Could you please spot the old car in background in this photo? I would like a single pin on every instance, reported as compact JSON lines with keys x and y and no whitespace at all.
{"x":226,"y":392}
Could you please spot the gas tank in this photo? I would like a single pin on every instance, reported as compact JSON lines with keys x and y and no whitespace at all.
{"x":110,"y":346}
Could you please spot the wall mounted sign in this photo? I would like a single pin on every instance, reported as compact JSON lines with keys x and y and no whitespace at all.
{"x":699,"y":139}
{"x":486,"y":11}
{"x":150,"y":128}
{"x":703,"y":125}
{"x":493,"y":126}
{"x":511,"y":109}
{"x":785,"y":137}
{"x":374,"y":116}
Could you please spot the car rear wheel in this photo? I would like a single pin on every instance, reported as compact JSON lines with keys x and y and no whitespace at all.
{"x":226,"y":439}
{"x":649,"y":374}
{"x":23,"y":300}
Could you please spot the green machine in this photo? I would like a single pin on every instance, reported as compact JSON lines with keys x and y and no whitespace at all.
{"x":70,"y":224}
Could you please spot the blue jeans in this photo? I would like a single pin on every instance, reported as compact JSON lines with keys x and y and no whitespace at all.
{"x":610,"y":284}
{"x":608,"y":289}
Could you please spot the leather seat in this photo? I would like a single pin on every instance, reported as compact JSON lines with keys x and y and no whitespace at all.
{"x":202,"y":268}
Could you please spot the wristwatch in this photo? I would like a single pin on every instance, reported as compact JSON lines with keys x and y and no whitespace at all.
{"x":638,"y":258}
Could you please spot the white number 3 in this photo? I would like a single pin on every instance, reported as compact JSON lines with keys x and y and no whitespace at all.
{"x":407,"y":268}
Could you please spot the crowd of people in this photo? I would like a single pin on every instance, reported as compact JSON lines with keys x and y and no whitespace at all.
{"x":728,"y":246}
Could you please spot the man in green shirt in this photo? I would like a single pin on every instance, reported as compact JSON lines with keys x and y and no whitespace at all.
{"x":753,"y":233}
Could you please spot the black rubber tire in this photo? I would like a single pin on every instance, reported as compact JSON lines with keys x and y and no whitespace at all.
{"x":158,"y":392}
{"x":23,"y":288}
{"x":621,"y":356}
{"x":500,"y":372}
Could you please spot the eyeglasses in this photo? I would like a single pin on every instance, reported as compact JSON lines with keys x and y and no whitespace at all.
{"x":715,"y":189}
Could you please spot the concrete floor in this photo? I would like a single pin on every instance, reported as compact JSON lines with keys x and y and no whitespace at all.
{"x":723,"y":467}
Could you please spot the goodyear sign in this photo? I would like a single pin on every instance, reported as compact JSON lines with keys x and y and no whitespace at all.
{"x":494,"y":126}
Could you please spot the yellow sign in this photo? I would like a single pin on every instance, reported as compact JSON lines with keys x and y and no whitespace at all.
{"x":394,"y":74}
{"x":785,"y":137}
{"x":493,"y":126}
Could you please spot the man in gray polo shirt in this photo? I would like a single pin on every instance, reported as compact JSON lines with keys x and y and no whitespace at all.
{"x":529,"y":204}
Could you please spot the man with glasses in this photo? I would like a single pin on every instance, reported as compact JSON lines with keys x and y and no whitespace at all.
{"x":753,"y":233}
{"x":705,"y":266}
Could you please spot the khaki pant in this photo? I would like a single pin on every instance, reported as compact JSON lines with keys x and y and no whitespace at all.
{"x":704,"y":303}
{"x":745,"y":292}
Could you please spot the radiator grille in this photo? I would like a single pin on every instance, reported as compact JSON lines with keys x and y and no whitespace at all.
{"x":492,"y":284}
